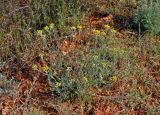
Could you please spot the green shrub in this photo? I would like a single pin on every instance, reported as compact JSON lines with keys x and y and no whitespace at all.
{"x":66,"y":89}
{"x":148,"y":15}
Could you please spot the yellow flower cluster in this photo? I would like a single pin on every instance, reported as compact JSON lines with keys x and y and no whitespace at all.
{"x":41,"y":55}
{"x":106,"y":26}
{"x":73,"y":28}
{"x":85,"y":79}
{"x":39,"y":32}
{"x":113,"y":78}
{"x":34,"y":67}
{"x":79,"y":27}
{"x":58,"y":84}
{"x":98,"y":32}
{"x":51,"y":26}
{"x":45,"y":68}
{"x":46,"y":28}
{"x":113,"y":31}
{"x":104,"y":64}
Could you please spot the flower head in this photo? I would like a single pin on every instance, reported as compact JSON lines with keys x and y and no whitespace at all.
{"x":113,"y":31}
{"x":113,"y":78}
{"x":39,"y":32}
{"x":73,"y":28}
{"x":58,"y":84}
{"x":34,"y":67}
{"x":79,"y":27}
{"x":41,"y":55}
{"x":104,"y":64}
{"x":85,"y":79}
{"x":45,"y":68}
{"x":51,"y":26}
{"x":46,"y":28}
{"x":97,"y":32}
{"x":106,"y":26}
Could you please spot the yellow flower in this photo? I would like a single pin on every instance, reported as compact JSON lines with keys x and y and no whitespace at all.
{"x":113,"y":30}
{"x":34,"y":67}
{"x":39,"y":32}
{"x":46,"y":28}
{"x":73,"y":28}
{"x":96,"y":32}
{"x":113,"y":78}
{"x":79,"y":27}
{"x":45,"y":68}
{"x":106,"y":18}
{"x":41,"y":55}
{"x":85,"y":79}
{"x":106,"y":26}
{"x":51,"y":26}
{"x":104,"y":64}
{"x":58,"y":84}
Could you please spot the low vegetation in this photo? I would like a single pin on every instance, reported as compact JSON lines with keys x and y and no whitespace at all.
{"x":79,"y":57}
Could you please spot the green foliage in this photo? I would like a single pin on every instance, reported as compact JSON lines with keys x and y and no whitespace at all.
{"x":148,"y":16}
{"x":74,"y":74}
{"x":66,"y":89}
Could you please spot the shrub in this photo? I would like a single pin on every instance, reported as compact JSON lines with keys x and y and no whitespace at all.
{"x":147,"y":15}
